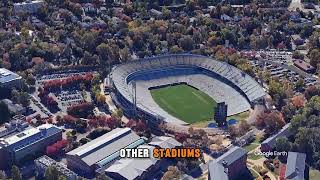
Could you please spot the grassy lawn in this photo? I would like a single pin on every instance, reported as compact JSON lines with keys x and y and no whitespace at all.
{"x":314,"y":174}
{"x":254,"y":157}
{"x":250,"y":147}
{"x":240,"y":117}
{"x":201,"y":124}
{"x":185,"y":103}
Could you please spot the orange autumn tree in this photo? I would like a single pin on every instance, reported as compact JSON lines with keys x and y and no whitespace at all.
{"x":297,"y":101}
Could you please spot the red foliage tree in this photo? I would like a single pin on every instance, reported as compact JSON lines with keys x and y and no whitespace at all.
{"x":272,"y":121}
{"x":71,"y":81}
{"x":51,"y":151}
{"x":311,"y":91}
{"x":69,"y":119}
{"x":181,"y":137}
{"x":131,"y":123}
{"x":140,"y":126}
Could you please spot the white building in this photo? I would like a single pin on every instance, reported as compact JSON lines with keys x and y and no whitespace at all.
{"x":30,"y":142}
{"x":44,"y":162}
{"x":28,"y":6}
{"x":9,"y":79}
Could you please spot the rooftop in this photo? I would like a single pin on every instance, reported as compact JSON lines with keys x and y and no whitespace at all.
{"x":45,"y":162}
{"x":106,"y":145}
{"x":216,"y":167}
{"x":295,"y":166}
{"x":15,"y":108}
{"x":28,"y":136}
{"x":303,"y":65}
{"x":29,"y":2}
{"x":284,"y":132}
{"x":7,"y":76}
{"x":16,"y":125}
{"x":132,"y":168}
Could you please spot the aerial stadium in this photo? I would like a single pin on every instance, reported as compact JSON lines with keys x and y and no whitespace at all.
{"x":182,"y":88}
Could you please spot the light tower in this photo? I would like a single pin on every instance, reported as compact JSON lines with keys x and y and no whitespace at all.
{"x":134,"y":98}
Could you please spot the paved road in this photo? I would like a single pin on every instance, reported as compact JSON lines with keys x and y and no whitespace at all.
{"x":184,"y":129}
{"x":258,"y":110}
{"x":109,"y":101}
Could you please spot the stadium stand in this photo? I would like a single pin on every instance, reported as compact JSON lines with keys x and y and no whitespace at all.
{"x":221,"y":81}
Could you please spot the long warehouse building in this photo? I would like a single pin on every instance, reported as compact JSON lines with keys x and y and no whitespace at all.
{"x":100,"y":152}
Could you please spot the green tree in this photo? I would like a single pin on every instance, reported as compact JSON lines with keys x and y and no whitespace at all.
{"x":105,"y":55}
{"x":62,"y":178}
{"x":186,"y":43}
{"x":15,"y":173}
{"x":5,"y":113}
{"x":314,"y":56}
{"x":282,"y":144}
{"x":102,"y":177}
{"x":24,"y":99}
{"x":51,"y":173}
{"x":88,"y":41}
{"x":166,"y":12}
{"x":288,"y":111}
{"x":299,"y":85}
{"x":175,"y":49}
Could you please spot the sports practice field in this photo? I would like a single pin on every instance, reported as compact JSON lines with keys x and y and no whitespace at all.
{"x":185,"y":103}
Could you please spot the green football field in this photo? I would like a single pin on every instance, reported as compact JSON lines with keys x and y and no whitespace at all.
{"x":185,"y":103}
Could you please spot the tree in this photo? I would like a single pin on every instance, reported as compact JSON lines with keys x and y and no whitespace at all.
{"x":175,"y":49}
{"x":62,"y":178}
{"x":186,"y":43}
{"x":244,"y":127}
{"x":173,"y":173}
{"x":101,"y":99}
{"x":166,"y":12}
{"x":125,"y":54}
{"x":102,"y":177}
{"x":299,"y":85}
{"x":311,"y":91}
{"x":15,"y":173}
{"x":282,"y":144}
{"x":279,"y":91}
{"x":297,"y":55}
{"x":272,"y":121}
{"x":288,"y":111}
{"x":233,"y":131}
{"x":314,"y":56}
{"x":5,"y":113}
{"x":105,"y":54}
{"x":24,"y":32}
{"x":51,"y":173}
{"x":24,"y":99}
{"x":297,"y":102}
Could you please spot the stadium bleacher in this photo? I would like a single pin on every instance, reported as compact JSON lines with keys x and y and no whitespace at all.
{"x":221,"y":81}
